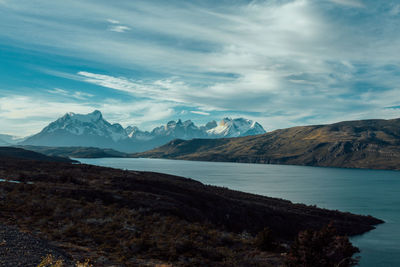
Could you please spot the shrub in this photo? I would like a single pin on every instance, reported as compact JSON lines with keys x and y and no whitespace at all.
{"x":50,"y":261}
{"x":321,"y":248}
{"x":265,"y":240}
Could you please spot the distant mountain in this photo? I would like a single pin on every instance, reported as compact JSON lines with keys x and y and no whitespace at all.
{"x":6,"y":140}
{"x":188,"y":130}
{"x":235,"y":128}
{"x":3,"y":143}
{"x":373,"y":144}
{"x":92,"y":130}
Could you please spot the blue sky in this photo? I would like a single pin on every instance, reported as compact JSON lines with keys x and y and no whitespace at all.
{"x":281,"y":63}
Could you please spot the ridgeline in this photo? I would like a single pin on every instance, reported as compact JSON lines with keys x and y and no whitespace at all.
{"x":370,"y":144}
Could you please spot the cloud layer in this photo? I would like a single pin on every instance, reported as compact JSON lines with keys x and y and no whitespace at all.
{"x":282,"y":63}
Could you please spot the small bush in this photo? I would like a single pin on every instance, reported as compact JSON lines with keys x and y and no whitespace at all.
{"x":321,"y":248}
{"x":265,"y":240}
{"x":86,"y":263}
{"x":50,"y":261}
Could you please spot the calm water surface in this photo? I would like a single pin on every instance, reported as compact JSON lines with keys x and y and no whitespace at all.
{"x":359,"y":191}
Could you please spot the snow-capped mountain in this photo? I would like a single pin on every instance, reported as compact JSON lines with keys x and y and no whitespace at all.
{"x":134,"y":133}
{"x":90,"y":124}
{"x":81,"y":130}
{"x":93,"y":130}
{"x":188,"y":130}
{"x":178,"y":129}
{"x":235,"y":127}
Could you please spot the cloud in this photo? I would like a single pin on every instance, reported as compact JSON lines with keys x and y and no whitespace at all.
{"x":167,"y":90}
{"x":285,"y":62}
{"x":26,"y":115}
{"x":395,"y":10}
{"x":113,"y":21}
{"x":116,"y":26}
{"x":76,"y":94}
{"x":236,"y":94}
{"x":200,"y":113}
{"x":119,"y":28}
{"x":351,"y":3}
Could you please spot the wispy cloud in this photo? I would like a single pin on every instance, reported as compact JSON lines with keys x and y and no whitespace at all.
{"x":286,"y":62}
{"x":116,"y":26}
{"x":200,"y":113}
{"x":167,"y":90}
{"x":395,"y":10}
{"x":119,"y":28}
{"x":25,"y":115}
{"x":73,"y":94}
{"x":351,"y":3}
{"x":113,"y":21}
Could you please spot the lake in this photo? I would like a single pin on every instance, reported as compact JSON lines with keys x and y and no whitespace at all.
{"x":372,"y":192}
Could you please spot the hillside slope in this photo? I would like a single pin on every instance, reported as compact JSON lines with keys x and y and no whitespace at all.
{"x":19,"y":153}
{"x":126,"y":217}
{"x":373,"y":144}
{"x":76,"y":152}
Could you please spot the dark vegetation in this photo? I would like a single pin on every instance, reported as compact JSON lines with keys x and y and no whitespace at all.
{"x":372,"y":144}
{"x":76,"y":152}
{"x":19,"y":153}
{"x":136,"y":218}
{"x":321,"y":248}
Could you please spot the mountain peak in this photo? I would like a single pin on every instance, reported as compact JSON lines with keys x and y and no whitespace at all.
{"x":95,"y":115}
{"x":90,"y":117}
{"x":229,"y":127}
{"x":80,"y":129}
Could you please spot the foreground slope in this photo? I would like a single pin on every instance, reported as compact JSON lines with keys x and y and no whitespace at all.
{"x":116,"y":216}
{"x":373,"y":144}
{"x":19,"y":153}
{"x":21,"y":249}
{"x":76,"y":152}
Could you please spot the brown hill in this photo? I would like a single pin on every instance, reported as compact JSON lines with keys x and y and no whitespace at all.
{"x":19,"y":153}
{"x":76,"y":152}
{"x":373,"y":144}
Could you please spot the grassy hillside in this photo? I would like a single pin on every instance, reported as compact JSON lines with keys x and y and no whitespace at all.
{"x":19,"y":153}
{"x":140,"y":219}
{"x":373,"y":144}
{"x":76,"y":152}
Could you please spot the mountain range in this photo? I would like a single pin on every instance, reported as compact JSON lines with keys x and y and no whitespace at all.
{"x":372,"y":144}
{"x":92,"y":130}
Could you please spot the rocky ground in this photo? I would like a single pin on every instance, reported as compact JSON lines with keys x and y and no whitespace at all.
{"x":22,"y":249}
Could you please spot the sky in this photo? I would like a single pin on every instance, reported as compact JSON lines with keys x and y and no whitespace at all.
{"x":282,"y":63}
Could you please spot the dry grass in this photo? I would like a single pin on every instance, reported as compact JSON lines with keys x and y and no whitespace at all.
{"x":143,"y":219}
{"x":372,"y":144}
{"x":50,"y":261}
